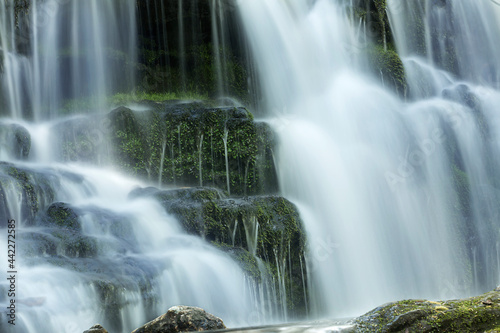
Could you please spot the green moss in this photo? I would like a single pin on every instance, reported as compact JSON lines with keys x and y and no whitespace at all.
{"x":130,"y":146}
{"x":475,"y":314}
{"x":62,"y":215}
{"x":267,"y":228}
{"x":388,"y":66}
{"x":186,"y":146}
{"x":125,"y":98}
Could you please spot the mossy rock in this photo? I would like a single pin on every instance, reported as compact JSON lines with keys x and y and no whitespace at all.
{"x":75,"y":245}
{"x":35,"y":189}
{"x":387,"y":65}
{"x":130,"y":147}
{"x":17,"y":140}
{"x":63,"y":215}
{"x":475,"y":314}
{"x":266,"y":228}
{"x":245,"y":259}
{"x":193,"y":144}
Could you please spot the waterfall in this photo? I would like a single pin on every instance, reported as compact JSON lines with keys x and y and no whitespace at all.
{"x":394,"y":195}
{"x":397,"y":183}
{"x":89,"y":248}
{"x":57,"y":48}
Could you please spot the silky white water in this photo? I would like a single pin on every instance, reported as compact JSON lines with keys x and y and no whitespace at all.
{"x":127,"y":261}
{"x":399,"y":194}
{"x":379,"y":178}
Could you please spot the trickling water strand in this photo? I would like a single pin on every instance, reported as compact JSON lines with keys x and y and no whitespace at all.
{"x":304,"y":287}
{"x":226,"y":156}
{"x":216,"y":47}
{"x":200,"y":160}
{"x":162,"y":160}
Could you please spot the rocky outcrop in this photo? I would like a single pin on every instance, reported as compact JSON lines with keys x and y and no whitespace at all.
{"x":17,"y":140}
{"x":175,"y":143}
{"x":182,"y":319}
{"x":249,"y":229}
{"x":475,"y":314}
{"x":33,"y":190}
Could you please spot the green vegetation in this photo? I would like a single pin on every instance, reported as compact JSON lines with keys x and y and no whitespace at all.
{"x":386,"y":64}
{"x":125,"y":98}
{"x":191,"y":144}
{"x":475,"y":314}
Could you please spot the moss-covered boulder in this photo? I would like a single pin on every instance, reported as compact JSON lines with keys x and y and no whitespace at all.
{"x":387,"y":65}
{"x":28,"y":189}
{"x":63,"y":215}
{"x":16,"y":140}
{"x":130,"y":147}
{"x":267,"y":228}
{"x":475,"y":314}
{"x":192,"y":144}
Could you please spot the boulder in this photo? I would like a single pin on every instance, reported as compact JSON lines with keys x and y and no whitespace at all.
{"x":182,"y":319}
{"x":474,"y":314}
{"x":16,"y":140}
{"x":96,"y":329}
{"x":263,"y":228}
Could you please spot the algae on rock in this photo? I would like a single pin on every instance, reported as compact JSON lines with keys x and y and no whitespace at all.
{"x":252,"y":230}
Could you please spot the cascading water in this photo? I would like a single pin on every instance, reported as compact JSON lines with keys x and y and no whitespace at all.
{"x":122,"y":260}
{"x":396,"y":196}
{"x":453,"y":66}
{"x":54,"y":49}
{"x":399,"y":197}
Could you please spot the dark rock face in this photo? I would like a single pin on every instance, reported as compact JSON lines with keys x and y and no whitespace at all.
{"x":96,"y":329}
{"x":475,"y":314}
{"x":182,"y":319}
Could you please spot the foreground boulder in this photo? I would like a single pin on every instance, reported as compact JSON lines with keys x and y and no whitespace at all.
{"x":475,"y":314}
{"x":96,"y":329}
{"x":182,"y":319}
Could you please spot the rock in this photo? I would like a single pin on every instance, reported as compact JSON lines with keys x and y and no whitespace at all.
{"x":182,"y":319}
{"x":475,"y":314}
{"x":249,"y":229}
{"x":96,"y":329}
{"x":63,"y":215}
{"x":17,"y":140}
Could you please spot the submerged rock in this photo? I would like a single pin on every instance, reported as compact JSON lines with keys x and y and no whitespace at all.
{"x":182,"y":319}
{"x":475,"y":314}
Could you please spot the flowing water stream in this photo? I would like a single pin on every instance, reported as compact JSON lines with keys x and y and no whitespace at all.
{"x":399,"y":194}
{"x":124,"y":261}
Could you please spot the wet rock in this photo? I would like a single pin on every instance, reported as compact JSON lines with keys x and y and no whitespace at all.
{"x":475,"y":314}
{"x":96,"y":329}
{"x":63,"y":215}
{"x":20,"y":139}
{"x":266,"y":228}
{"x":182,"y":319}
{"x":35,"y":188}
{"x":16,"y":139}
